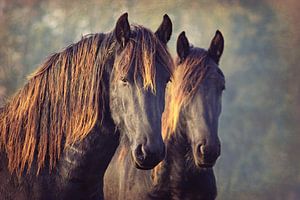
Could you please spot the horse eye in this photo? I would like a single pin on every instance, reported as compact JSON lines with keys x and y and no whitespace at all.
{"x":124,"y":79}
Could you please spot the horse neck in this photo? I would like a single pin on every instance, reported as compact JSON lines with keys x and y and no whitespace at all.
{"x":177,"y":154}
{"x":83,"y":164}
{"x":187,"y":179}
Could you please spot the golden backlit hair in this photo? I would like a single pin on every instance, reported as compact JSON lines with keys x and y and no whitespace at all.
{"x":64,"y":98}
{"x":141,"y":53}
{"x":186,"y":79}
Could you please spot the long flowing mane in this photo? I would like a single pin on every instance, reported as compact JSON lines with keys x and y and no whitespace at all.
{"x":64,"y":98}
{"x":186,"y":79}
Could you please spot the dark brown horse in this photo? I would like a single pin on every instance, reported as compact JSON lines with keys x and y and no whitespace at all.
{"x":60,"y":131}
{"x":190,"y":131}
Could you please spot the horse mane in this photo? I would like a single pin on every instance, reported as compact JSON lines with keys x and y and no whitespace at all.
{"x":64,"y":98}
{"x":153,"y":51}
{"x":186,"y":79}
{"x":60,"y":100}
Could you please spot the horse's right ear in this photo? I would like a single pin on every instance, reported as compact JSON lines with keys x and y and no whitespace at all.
{"x":183,"y":46}
{"x":122,"y":30}
{"x":164,"y":31}
{"x":216,"y":47}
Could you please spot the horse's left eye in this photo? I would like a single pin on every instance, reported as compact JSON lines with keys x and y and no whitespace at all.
{"x":124,"y":79}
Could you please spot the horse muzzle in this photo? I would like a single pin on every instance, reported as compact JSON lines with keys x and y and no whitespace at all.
{"x":146,"y":159}
{"x":205,"y":155}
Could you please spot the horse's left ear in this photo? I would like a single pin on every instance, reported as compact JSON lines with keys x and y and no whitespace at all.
{"x":216,"y":47}
{"x":122,"y":30}
{"x":164,"y":31}
{"x":183,"y":46}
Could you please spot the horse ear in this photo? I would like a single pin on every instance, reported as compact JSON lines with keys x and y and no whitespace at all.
{"x":183,"y":46}
{"x":164,"y":31}
{"x":216,"y":47}
{"x":122,"y":30}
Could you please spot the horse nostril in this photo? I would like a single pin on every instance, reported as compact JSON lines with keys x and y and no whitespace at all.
{"x":209,"y":153}
{"x":201,"y":149}
{"x":144,"y":151}
{"x":140,"y":153}
{"x":152,"y":154}
{"x":148,"y":156}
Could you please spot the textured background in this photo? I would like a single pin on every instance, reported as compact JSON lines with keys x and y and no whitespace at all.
{"x":260,"y":122}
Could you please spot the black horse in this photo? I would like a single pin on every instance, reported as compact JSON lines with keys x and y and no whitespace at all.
{"x":60,"y":131}
{"x":190,"y":131}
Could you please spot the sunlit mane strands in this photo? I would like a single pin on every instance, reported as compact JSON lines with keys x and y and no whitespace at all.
{"x":64,"y":99}
{"x":60,"y":101}
{"x":59,"y":132}
{"x":143,"y":63}
{"x":186,"y":79}
{"x":190,"y":128}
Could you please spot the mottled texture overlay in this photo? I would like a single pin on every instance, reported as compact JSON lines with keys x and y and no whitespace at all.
{"x":259,"y":125}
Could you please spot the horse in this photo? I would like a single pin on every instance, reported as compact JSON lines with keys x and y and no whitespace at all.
{"x":59,"y":132}
{"x":190,"y":132}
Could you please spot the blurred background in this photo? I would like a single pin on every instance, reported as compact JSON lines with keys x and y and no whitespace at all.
{"x":260,"y":121}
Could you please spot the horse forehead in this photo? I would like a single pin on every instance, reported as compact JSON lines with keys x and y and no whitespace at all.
{"x":214,"y":72}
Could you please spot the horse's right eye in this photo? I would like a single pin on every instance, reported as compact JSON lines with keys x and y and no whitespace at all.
{"x":124,"y":80}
